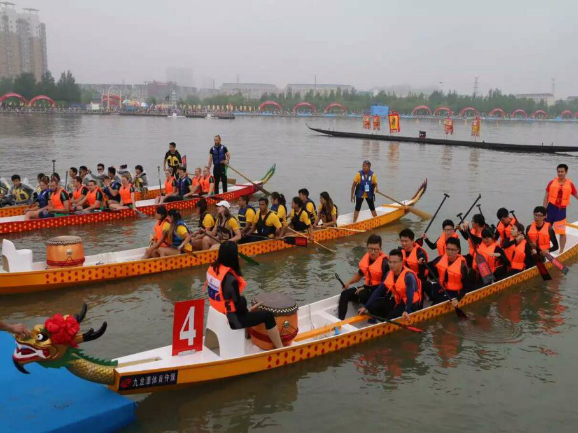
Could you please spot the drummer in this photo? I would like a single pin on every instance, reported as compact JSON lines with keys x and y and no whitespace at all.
{"x":225,"y":286}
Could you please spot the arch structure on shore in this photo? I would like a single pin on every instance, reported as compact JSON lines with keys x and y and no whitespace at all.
{"x":13,"y":95}
{"x":539,"y":114}
{"x":438,"y":110}
{"x":421,"y":107}
{"x":463,"y":111}
{"x":335,"y":105}
{"x":519,"y":111}
{"x":42,"y":98}
{"x":303,"y":104}
{"x":497,"y":111}
{"x":269,"y":104}
{"x":566,"y":114}
{"x":114,"y":99}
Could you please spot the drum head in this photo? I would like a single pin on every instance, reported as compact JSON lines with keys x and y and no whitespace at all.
{"x":276,"y":303}
{"x":64,"y":240}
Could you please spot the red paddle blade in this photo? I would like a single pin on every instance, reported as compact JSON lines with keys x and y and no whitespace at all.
{"x":414,"y":329}
{"x":542,"y":268}
{"x":484,"y":269}
{"x":557,"y":263}
{"x":297,"y":241}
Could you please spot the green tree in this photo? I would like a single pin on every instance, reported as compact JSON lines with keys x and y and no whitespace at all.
{"x":25,"y":85}
{"x":67,"y":90}
{"x":47,"y":85}
{"x":6,"y":85}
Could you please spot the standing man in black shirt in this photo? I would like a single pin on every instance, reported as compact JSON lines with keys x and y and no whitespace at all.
{"x":219,"y":157}
{"x":172,"y":158}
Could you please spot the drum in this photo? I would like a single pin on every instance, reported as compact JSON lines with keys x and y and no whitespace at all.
{"x":284,"y":308}
{"x":64,"y":251}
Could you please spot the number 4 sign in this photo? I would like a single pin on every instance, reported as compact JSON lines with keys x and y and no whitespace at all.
{"x":188,"y":326}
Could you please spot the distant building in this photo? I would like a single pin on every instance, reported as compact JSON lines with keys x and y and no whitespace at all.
{"x":208,"y":93}
{"x":404,"y":90}
{"x":548,"y":98}
{"x":320,"y":89}
{"x":572,"y":98}
{"x":22,"y":42}
{"x":181,"y":76}
{"x":249,"y":90}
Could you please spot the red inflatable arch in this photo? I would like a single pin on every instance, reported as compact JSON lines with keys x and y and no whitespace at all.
{"x":497,"y":110}
{"x":576,"y":115}
{"x":566,"y":114}
{"x":541,"y":113}
{"x":42,"y":98}
{"x":467,"y":110}
{"x":421,"y":107}
{"x":13,"y":95}
{"x":303,"y":104}
{"x":335,"y":105}
{"x":267,"y":103}
{"x":519,"y":111}
{"x":114,"y":99}
{"x":440,"y":109}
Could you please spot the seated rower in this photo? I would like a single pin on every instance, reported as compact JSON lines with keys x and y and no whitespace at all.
{"x":245,"y":215}
{"x":170,"y":187}
{"x":111,"y":187}
{"x":400,"y":293}
{"x":265,"y":224}
{"x":78,"y":192}
{"x":183,"y":187}
{"x":494,"y":255}
{"x":453,"y":274}
{"x":504,"y":226}
{"x":518,"y":250}
{"x":207,"y":183}
{"x":123,"y":170}
{"x":414,"y":256}
{"x":160,"y":233}
{"x":93,"y":200}
{"x":298,"y":219}
{"x":85,"y":174}
{"x":42,"y":200}
{"x":226,"y":228}
{"x":178,"y":236}
{"x":541,"y":234}
{"x":206,"y":224}
{"x":126,"y":194}
{"x":309,"y":204}
{"x":327,"y":211}
{"x":18,"y":194}
{"x":225,"y":286}
{"x":59,"y":203}
{"x":373,"y":267}
{"x":473,"y":235}
{"x":141,"y":182}
{"x":197,"y":188}
{"x":279,"y":207}
{"x":99,"y":177}
{"x":448,"y":231}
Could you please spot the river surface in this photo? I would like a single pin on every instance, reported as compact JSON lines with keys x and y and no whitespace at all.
{"x":511,"y":369}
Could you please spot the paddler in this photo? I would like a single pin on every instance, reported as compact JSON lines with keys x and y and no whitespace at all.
{"x":495,"y":256}
{"x":126,"y":194}
{"x":327,"y":211}
{"x":225,"y":286}
{"x":505,"y":225}
{"x":18,"y":194}
{"x":557,"y":200}
{"x":364,"y":187}
{"x":279,"y":206}
{"x":373,"y":267}
{"x":226,"y":228}
{"x":178,"y":236}
{"x":172,"y":158}
{"x":85,"y":174}
{"x":197,"y":190}
{"x":399,"y":295}
{"x":59,"y":200}
{"x":245,"y":215}
{"x":219,"y":157}
{"x":266,"y":224}
{"x":78,"y":192}
{"x":93,"y":200}
{"x":448,"y":231}
{"x":160,"y":233}
{"x":309,"y":204}
{"x":170,"y":187}
{"x":518,"y":250}
{"x":206,"y":224}
{"x":299,"y":218}
{"x":414,"y":256}
{"x":541,"y":234}
{"x":183,"y":188}
{"x":111,"y":187}
{"x":141,"y":182}
{"x":207,"y":183}
{"x":474,"y":234}
{"x":42,"y":199}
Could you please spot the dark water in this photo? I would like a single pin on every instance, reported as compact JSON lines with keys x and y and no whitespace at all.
{"x":511,"y":369}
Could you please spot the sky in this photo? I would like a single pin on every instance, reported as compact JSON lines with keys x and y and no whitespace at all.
{"x":516,"y":46}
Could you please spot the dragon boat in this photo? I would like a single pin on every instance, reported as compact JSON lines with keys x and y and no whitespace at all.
{"x":226,"y":353}
{"x":20,"y":275}
{"x":17,"y":224}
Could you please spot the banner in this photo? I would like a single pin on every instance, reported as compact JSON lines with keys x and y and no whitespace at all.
{"x":188,"y":326}
{"x":376,"y":123}
{"x":394,"y":122}
{"x":476,"y":127}
{"x":449,"y":126}
{"x":366,"y":122}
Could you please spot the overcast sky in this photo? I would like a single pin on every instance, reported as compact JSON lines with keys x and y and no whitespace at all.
{"x":517,"y":46}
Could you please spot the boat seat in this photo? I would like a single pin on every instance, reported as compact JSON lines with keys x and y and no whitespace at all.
{"x":14,"y":260}
{"x":221,"y":339}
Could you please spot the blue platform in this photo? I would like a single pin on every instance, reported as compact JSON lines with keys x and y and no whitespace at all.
{"x":53,"y":400}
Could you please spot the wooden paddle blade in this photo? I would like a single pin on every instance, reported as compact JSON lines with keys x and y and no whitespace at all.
{"x":420,"y":213}
{"x":401,"y":325}
{"x":557,"y":263}
{"x":541,"y":268}
{"x":296,"y":241}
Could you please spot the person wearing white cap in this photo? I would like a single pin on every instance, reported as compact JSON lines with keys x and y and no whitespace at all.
{"x":226,"y":229}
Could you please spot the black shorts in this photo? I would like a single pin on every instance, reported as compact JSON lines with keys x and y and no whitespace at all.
{"x":359,"y":201}
{"x":172,"y":198}
{"x":251,"y":318}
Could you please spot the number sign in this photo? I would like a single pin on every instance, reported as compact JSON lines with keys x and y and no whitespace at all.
{"x":188,"y":326}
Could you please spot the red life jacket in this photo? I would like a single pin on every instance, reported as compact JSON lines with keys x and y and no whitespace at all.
{"x":373,"y":272}
{"x":215,"y":289}
{"x":540,"y":237}
{"x":398,"y":287}
{"x":453,"y":271}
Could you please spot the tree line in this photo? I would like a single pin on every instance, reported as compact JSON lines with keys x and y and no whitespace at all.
{"x":65,"y":91}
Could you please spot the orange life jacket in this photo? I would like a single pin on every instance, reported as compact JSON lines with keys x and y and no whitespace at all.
{"x":78,"y":192}
{"x":91,"y":196}
{"x":441,"y":243}
{"x":169,"y":185}
{"x":372,"y":272}
{"x":540,"y":237}
{"x":197,"y":180}
{"x":411,"y":261}
{"x":206,"y":183}
{"x":55,"y":199}
{"x":125,"y":194}
{"x":559,"y":195}
{"x":158,"y":230}
{"x":518,"y":260}
{"x":453,"y":271}
{"x":477,"y":233}
{"x":505,"y":231}
{"x":486,"y":251}
{"x":214,"y":287}
{"x":398,"y":287}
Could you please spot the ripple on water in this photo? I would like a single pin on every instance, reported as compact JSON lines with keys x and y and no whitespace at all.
{"x":492,"y":329}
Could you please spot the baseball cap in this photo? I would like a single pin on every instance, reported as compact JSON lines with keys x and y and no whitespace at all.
{"x":224,"y":203}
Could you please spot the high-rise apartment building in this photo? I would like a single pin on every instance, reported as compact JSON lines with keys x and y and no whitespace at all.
{"x":22,"y":42}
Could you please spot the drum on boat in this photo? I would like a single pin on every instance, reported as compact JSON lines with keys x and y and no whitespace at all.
{"x":64,"y":251}
{"x":284,"y":308}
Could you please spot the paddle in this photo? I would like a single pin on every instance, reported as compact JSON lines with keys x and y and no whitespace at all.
{"x":53,"y":166}
{"x":260,"y":188}
{"x":289,"y":240}
{"x":459,"y":312}
{"x":557,"y":263}
{"x":436,"y":212}
{"x":325,"y":329}
{"x":483,"y":266}
{"x":419,"y":213}
{"x":160,"y":184}
{"x":345,"y":229}
{"x":462,"y":218}
{"x":315,"y":242}
{"x":383,"y":319}
{"x":243,"y":256}
{"x":139,"y":213}
{"x":537,"y":260}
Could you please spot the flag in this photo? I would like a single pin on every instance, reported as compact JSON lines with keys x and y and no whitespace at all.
{"x":376,"y":122}
{"x":393,"y":118}
{"x":449,"y":126}
{"x":366,"y":122}
{"x":476,"y":127}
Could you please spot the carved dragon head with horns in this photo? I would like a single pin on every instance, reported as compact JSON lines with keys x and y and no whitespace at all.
{"x":55,"y":345}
